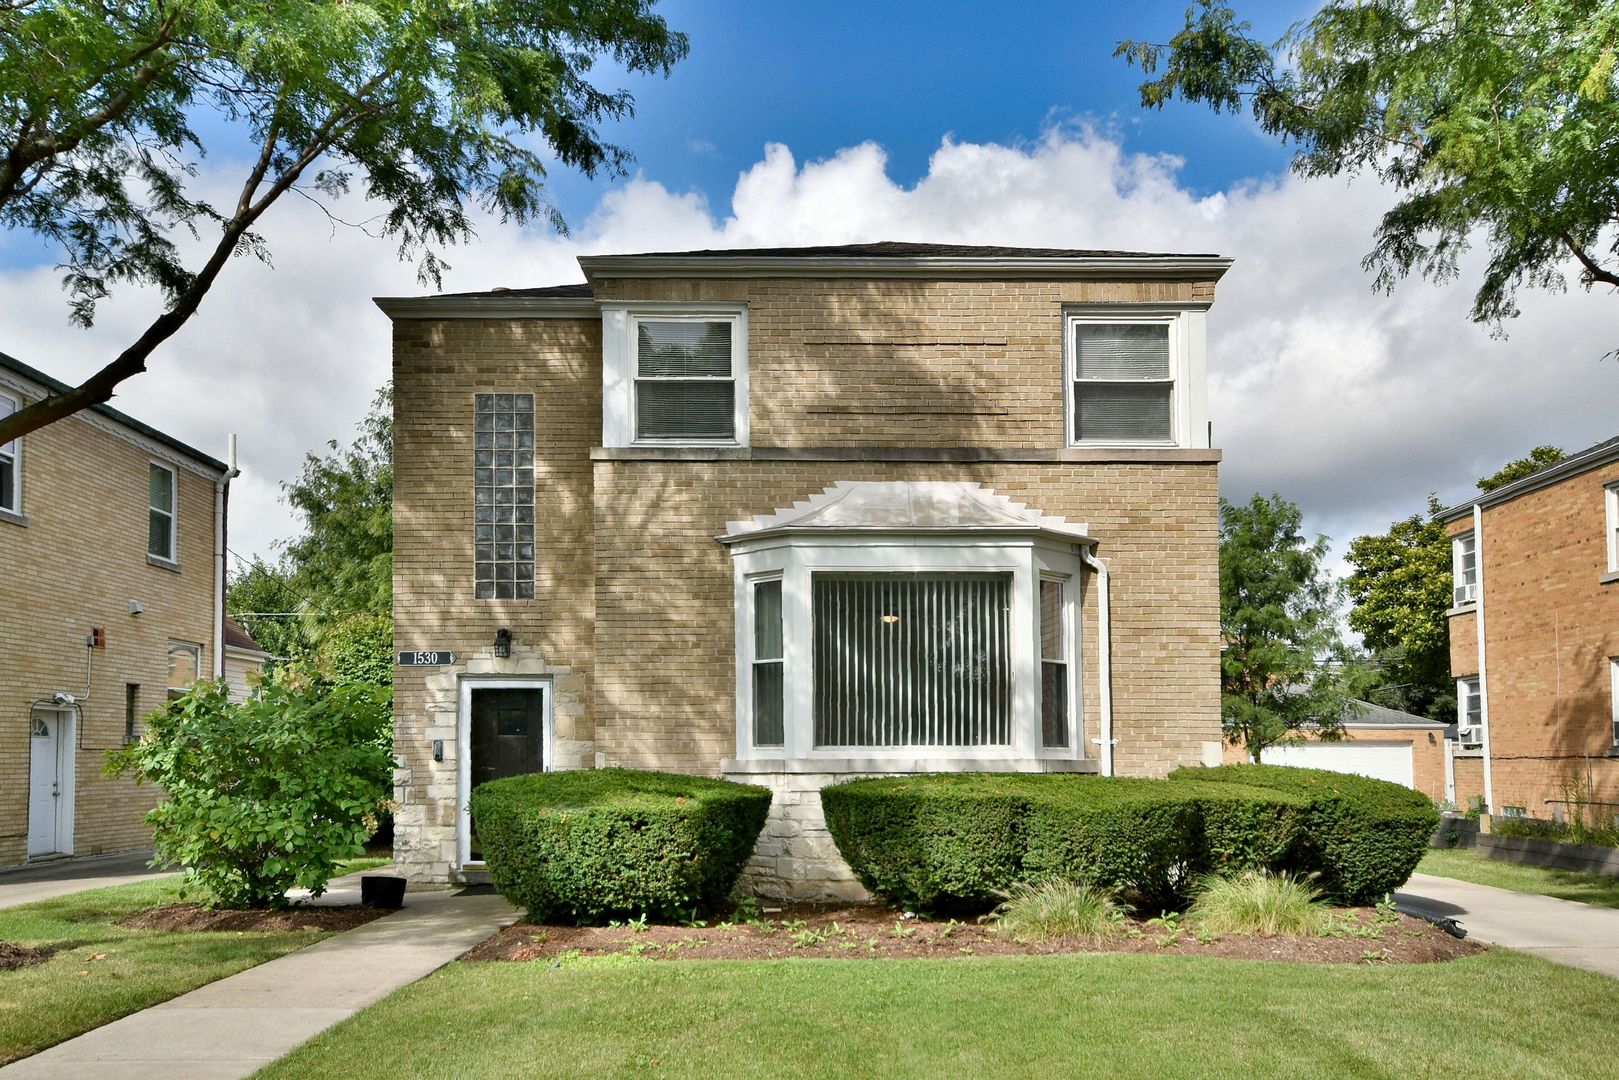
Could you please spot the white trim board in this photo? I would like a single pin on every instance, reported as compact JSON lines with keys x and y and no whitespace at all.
{"x":463,"y":746}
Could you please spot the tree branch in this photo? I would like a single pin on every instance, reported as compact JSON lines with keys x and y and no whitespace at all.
{"x":1594,"y":270}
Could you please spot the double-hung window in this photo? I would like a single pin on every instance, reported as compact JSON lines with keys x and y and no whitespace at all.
{"x":685,"y":380}
{"x":1122,"y":381}
{"x":10,"y":478}
{"x":1613,"y":699}
{"x":1464,"y":569}
{"x":160,"y":502}
{"x":768,"y":727}
{"x":185,"y":667}
{"x":1469,"y":713}
{"x":1611,"y":498}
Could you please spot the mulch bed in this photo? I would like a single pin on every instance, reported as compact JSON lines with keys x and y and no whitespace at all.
{"x":13,"y":957}
{"x":869,"y":930}
{"x":197,"y":917}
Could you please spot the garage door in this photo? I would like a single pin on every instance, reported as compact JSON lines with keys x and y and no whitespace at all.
{"x":1381,"y":761}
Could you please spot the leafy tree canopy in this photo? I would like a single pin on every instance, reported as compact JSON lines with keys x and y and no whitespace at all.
{"x":425,"y":107}
{"x":1493,"y":119}
{"x":1541,"y":457}
{"x":1280,"y":669}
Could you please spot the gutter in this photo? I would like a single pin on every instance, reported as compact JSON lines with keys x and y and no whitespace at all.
{"x":1178,"y":267}
{"x":221,"y":500}
{"x":1483,"y":679}
{"x":1104,"y":656}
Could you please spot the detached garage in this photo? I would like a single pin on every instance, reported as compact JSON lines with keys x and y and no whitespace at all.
{"x":1385,"y":744}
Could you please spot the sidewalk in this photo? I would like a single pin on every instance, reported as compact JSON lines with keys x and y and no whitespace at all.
{"x":46,"y":881}
{"x":1579,"y":935}
{"x":232,"y":1027}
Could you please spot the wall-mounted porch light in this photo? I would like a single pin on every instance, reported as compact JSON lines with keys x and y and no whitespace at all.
{"x":503,"y":643}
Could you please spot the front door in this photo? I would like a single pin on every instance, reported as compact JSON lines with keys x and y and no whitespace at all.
{"x":507,"y":738}
{"x":50,"y":805}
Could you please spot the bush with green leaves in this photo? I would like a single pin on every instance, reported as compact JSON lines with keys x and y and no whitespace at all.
{"x":597,"y":844}
{"x":1363,"y":837}
{"x":265,"y":794}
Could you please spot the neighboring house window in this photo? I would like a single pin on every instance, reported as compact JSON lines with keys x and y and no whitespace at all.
{"x":10,"y":475}
{"x":768,"y":729}
{"x":1053,"y":662}
{"x":160,"y":503}
{"x":674,"y":374}
{"x":1122,"y":381}
{"x":1613,"y":698}
{"x":1469,"y":714}
{"x":503,"y":496}
{"x":1464,"y":569}
{"x":185,"y":668}
{"x":1612,"y":498}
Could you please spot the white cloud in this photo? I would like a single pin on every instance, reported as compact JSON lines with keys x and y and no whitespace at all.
{"x":1351,"y":403}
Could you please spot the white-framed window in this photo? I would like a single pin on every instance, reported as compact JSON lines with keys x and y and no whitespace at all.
{"x":1611,"y":498}
{"x":891,"y":648}
{"x":185,"y":667}
{"x":162,"y":490}
{"x":10,"y":466}
{"x":1464,"y":569}
{"x":674,"y":375}
{"x":1469,"y":714}
{"x":1134,"y":375}
{"x":1613,"y":698}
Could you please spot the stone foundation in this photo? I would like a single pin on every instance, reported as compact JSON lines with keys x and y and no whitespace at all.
{"x":795,"y":858}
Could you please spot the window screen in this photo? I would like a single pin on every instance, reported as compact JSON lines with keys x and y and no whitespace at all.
{"x":503,"y":496}
{"x":912,"y":661}
{"x":1123,"y":385}
{"x":685,"y":382}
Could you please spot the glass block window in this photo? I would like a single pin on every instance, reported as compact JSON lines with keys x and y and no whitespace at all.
{"x":503,"y":496}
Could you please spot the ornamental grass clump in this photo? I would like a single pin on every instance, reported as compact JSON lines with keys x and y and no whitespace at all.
{"x":1254,"y":902}
{"x":1056,"y":910}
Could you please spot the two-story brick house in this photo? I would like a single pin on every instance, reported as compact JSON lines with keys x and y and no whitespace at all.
{"x":111,"y":598}
{"x":793,"y":515}
{"x":1534,"y":638}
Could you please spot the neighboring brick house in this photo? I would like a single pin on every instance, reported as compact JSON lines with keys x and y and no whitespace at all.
{"x":793,"y":515}
{"x":110,"y":597}
{"x":1534,"y":638}
{"x":1385,"y":744}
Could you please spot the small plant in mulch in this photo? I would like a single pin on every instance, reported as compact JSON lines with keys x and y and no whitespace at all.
{"x":13,"y":956}
{"x":1058,"y":911}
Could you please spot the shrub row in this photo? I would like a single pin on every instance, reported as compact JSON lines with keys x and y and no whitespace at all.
{"x":963,"y":840}
{"x":603,"y":843}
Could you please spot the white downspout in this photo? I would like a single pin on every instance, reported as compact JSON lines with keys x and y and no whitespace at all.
{"x":221,"y":495}
{"x":1483,"y":679}
{"x":1104,"y":658}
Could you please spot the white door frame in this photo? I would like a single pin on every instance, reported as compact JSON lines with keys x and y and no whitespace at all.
{"x":463,"y":747}
{"x":67,"y":731}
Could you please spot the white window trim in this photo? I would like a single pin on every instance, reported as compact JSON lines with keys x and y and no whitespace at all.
{"x":14,"y":510}
{"x":1471,"y":595}
{"x":173,"y":557}
{"x":1188,"y":365}
{"x":463,"y":748}
{"x":1070,"y":634}
{"x":1465,"y":690}
{"x":619,"y":367}
{"x":1613,"y":697}
{"x":1611,"y":498}
{"x":794,"y":559}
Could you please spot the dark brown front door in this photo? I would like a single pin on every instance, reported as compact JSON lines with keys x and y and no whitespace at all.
{"x":508,"y":738}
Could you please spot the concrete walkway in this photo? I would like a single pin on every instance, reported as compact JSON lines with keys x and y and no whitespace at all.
{"x":46,"y":881}
{"x":230,"y":1028}
{"x":1579,"y":935}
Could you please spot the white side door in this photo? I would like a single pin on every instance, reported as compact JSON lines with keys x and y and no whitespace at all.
{"x":44,"y":781}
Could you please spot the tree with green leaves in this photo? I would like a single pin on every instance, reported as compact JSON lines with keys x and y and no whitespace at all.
{"x":425,"y":108}
{"x":1282,"y":666}
{"x":1493,"y":120}
{"x":1541,"y":457}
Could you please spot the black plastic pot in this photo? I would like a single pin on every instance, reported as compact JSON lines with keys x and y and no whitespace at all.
{"x":382,"y":890}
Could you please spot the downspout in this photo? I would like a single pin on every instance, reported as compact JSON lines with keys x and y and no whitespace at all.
{"x":1483,"y":679}
{"x":1104,"y":657}
{"x":221,"y":498}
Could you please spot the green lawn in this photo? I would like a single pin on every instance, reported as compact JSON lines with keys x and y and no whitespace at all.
{"x":103,"y":971}
{"x":1564,"y":884}
{"x":1106,"y":1014}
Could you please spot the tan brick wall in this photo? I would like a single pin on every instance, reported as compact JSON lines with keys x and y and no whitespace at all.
{"x":76,"y":565}
{"x":1550,"y":626}
{"x":1427,"y":753}
{"x":905,"y":363}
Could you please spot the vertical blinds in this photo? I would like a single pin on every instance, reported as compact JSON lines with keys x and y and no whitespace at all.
{"x":1122,"y":383}
{"x":685,"y":386}
{"x":912,"y":661}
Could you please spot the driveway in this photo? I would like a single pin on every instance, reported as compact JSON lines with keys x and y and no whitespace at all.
{"x":44,"y":881}
{"x":1579,"y":935}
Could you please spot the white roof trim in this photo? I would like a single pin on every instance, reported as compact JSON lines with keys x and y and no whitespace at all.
{"x":709,"y":266}
{"x":904,"y":506}
{"x":487,"y":307}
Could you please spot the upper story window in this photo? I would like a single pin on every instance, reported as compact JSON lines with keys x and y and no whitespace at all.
{"x":1613,"y":700}
{"x":1469,"y":713}
{"x":1464,"y":569}
{"x":10,"y":475}
{"x":1611,"y":494}
{"x":1135,"y":377}
{"x":185,"y":667}
{"x":674,"y":375}
{"x":503,"y":496}
{"x":160,"y":502}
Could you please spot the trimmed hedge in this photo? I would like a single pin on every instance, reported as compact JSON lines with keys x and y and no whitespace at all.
{"x":962,"y":840}
{"x":595,"y":844}
{"x":1364,"y":837}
